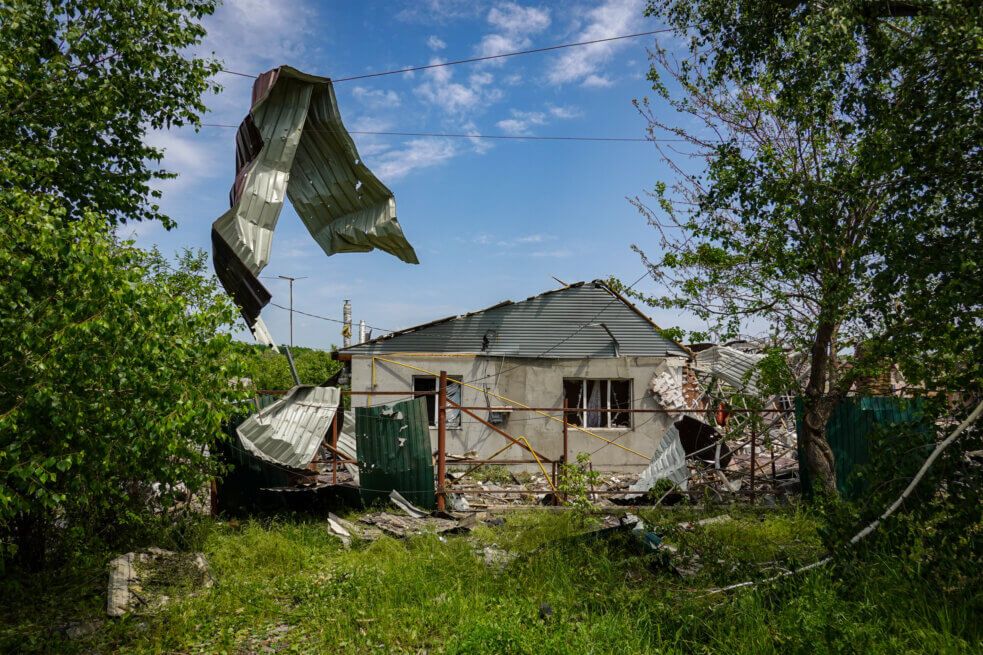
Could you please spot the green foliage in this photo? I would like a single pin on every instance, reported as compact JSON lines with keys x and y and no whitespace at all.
{"x":874,"y":187}
{"x":81,"y":81}
{"x":114,"y":375}
{"x":577,"y":482}
{"x":270,"y":371}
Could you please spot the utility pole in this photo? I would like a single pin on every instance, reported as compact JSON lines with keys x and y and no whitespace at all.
{"x":291,"y":279}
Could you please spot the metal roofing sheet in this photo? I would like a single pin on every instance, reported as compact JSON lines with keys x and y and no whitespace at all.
{"x":730,"y":365}
{"x":289,"y":431}
{"x":575,"y":321}
{"x":294,"y":144}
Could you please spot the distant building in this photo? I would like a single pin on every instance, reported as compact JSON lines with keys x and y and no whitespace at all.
{"x":583,"y":343}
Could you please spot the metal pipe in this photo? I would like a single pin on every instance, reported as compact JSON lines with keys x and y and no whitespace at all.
{"x":441,"y":439}
{"x":565,"y":450}
{"x":504,"y":434}
{"x":334,"y":446}
{"x":346,"y":326}
{"x":753,"y":461}
{"x":293,"y":369}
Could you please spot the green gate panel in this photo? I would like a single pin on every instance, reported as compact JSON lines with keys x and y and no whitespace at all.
{"x":848,"y":432}
{"x":393,"y":446}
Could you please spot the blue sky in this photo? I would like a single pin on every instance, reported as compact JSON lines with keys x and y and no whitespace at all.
{"x":490,"y":220}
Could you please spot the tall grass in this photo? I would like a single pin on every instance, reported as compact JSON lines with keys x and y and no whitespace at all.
{"x":288,"y":585}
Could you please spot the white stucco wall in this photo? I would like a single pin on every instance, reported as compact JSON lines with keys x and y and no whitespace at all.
{"x":535,"y":383}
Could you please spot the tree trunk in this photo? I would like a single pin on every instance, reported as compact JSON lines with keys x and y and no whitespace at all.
{"x":819,"y":405}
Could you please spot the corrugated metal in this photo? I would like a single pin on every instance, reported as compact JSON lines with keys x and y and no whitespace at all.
{"x":289,"y":431}
{"x":848,"y":432}
{"x":730,"y":365}
{"x":565,"y":323}
{"x":294,"y":144}
{"x":394,"y":452}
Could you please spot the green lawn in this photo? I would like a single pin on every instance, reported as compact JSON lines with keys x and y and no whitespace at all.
{"x":286,"y":585}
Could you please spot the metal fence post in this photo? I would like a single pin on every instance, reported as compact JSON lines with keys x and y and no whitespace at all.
{"x":753,"y":459}
{"x":334,"y":444}
{"x":441,"y":439}
{"x":565,"y":434}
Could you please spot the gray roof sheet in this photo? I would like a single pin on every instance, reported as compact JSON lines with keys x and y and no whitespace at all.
{"x":563,"y":323}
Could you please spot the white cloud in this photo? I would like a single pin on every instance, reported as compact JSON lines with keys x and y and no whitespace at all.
{"x":563,"y":112}
{"x":485,"y":239}
{"x":511,"y":17}
{"x":190,"y":155}
{"x":595,"y":81}
{"x":415,"y":154}
{"x":253,"y":36}
{"x":513,"y":25}
{"x":480,"y":146}
{"x":612,"y":18}
{"x":440,"y":11}
{"x":376,"y":98}
{"x":436,"y":43}
{"x":522,"y":122}
{"x":453,"y":97}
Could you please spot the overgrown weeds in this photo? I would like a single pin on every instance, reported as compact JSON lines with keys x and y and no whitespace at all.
{"x":288,"y":584}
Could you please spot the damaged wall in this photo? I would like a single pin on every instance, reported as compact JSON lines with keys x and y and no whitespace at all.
{"x":535,"y":383}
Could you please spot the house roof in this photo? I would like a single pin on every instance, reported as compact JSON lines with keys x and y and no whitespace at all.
{"x":576,"y":321}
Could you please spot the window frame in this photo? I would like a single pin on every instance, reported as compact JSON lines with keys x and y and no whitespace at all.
{"x":454,"y":421}
{"x":610,"y":411}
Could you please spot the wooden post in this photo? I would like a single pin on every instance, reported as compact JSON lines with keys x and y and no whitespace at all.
{"x":441,"y":439}
{"x":334,"y":444}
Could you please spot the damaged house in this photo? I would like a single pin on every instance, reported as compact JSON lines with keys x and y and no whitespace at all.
{"x":583,"y":344}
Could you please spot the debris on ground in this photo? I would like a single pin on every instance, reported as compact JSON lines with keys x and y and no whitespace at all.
{"x":144,"y":582}
{"x":688,"y":526}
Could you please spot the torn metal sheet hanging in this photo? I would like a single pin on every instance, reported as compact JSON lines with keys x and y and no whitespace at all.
{"x":293,"y":144}
{"x":289,"y":431}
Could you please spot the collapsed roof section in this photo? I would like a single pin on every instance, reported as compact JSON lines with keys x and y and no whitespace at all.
{"x":293,"y":144}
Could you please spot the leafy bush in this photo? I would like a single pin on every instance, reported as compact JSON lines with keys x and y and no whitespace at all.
{"x":114,"y":376}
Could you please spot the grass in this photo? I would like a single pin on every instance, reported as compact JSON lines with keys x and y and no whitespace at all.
{"x":286,"y":585}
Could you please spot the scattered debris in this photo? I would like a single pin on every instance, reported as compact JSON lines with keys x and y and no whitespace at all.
{"x":137,"y":580}
{"x":545,"y":612}
{"x":689,"y":526}
{"x":406,"y":505}
{"x":498,"y":559}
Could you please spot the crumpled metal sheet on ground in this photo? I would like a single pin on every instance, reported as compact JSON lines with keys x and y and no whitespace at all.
{"x":289,"y":431}
{"x":293,"y":144}
{"x":668,"y":463}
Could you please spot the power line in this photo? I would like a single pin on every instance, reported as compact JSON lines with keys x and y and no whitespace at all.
{"x":485,"y":58}
{"x":325,"y":318}
{"x":517,"y":137}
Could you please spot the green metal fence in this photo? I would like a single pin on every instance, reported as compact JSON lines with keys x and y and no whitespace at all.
{"x":394,"y":452}
{"x":849,"y":431}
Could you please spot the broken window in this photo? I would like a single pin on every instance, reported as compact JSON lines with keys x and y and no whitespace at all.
{"x":609,"y":395}
{"x":425,"y":383}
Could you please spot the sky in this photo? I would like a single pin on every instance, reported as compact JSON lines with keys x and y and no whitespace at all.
{"x":490,"y":220}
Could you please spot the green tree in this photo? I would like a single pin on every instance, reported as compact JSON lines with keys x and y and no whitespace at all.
{"x":271,"y":371}
{"x":839,"y":197}
{"x":114,"y":373}
{"x":81,"y":81}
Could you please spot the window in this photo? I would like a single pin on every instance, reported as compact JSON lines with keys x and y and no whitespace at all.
{"x":598,"y":394}
{"x":423,"y":383}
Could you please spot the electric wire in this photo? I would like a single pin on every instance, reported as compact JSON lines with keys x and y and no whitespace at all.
{"x":500,"y":137}
{"x":484,"y":58}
